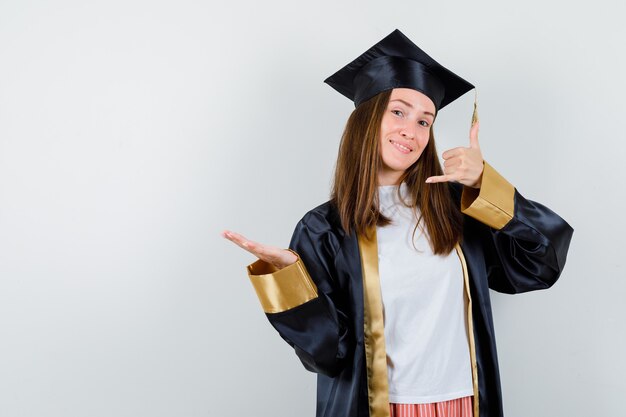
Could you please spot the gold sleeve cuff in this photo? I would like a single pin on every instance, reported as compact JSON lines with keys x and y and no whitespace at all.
{"x":281,"y":289}
{"x":492,"y":203}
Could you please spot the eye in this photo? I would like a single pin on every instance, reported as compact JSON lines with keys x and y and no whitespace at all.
{"x":424,"y":123}
{"x":396,"y":111}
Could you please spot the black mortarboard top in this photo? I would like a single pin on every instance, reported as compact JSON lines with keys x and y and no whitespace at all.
{"x":396,"y":62}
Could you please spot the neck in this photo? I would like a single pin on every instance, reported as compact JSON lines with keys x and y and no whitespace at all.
{"x":390,"y":178}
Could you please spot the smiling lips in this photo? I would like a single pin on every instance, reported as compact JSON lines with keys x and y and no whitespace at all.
{"x":402,"y":148}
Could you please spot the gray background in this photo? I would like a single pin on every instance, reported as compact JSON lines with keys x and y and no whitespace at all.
{"x":133,"y":132}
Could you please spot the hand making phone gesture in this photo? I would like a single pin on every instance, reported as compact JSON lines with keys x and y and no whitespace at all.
{"x":463,"y":165}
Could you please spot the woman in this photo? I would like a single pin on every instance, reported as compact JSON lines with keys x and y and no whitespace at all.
{"x":384,"y":289}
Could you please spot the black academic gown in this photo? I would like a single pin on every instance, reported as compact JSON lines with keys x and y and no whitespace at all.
{"x":328,"y":306}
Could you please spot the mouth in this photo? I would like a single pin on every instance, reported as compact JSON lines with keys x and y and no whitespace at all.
{"x":402,"y":148}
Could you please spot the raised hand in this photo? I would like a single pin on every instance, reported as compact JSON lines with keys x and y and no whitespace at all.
{"x":463,"y":165}
{"x":274,"y":255}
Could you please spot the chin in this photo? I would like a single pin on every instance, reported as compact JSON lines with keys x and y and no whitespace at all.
{"x":402,"y":167}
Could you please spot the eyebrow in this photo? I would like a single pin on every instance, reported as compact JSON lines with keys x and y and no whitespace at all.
{"x":411,"y":106}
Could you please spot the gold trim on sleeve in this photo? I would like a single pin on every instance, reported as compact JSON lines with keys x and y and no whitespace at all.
{"x":492,"y":203}
{"x":470,"y":328}
{"x":374,"y":329}
{"x":281,"y":289}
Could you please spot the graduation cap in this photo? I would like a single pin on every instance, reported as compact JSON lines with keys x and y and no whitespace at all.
{"x":396,"y":62}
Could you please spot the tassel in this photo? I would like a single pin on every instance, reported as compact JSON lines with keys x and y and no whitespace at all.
{"x":475,"y":114}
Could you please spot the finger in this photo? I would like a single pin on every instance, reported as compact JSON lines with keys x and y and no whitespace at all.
{"x":267,"y":253}
{"x":234,"y":237}
{"x":450,"y":172}
{"x":263,"y":251}
{"x":451,"y":153}
{"x":452,"y":162}
{"x":474,"y":135}
{"x":240,"y":240}
{"x":438,"y":178}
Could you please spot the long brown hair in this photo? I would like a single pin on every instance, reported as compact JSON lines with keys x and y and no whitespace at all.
{"x":355,"y":186}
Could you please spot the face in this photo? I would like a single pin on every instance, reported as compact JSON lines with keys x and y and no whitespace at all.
{"x":404,"y":132}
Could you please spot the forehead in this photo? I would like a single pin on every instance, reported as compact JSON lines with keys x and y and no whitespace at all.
{"x":417,"y":99}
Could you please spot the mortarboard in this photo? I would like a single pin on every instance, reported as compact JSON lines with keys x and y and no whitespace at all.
{"x":396,"y":62}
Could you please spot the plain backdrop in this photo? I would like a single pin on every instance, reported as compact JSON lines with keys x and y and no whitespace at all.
{"x":133,"y":132}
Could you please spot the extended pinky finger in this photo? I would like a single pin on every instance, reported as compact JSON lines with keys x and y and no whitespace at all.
{"x":438,"y":178}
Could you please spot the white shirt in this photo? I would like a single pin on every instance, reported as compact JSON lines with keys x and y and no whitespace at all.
{"x":424,"y":312}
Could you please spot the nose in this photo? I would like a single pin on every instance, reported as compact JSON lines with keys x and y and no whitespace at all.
{"x":407,"y":130}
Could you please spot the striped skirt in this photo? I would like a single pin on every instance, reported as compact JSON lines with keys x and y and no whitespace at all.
{"x":459,"y":407}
